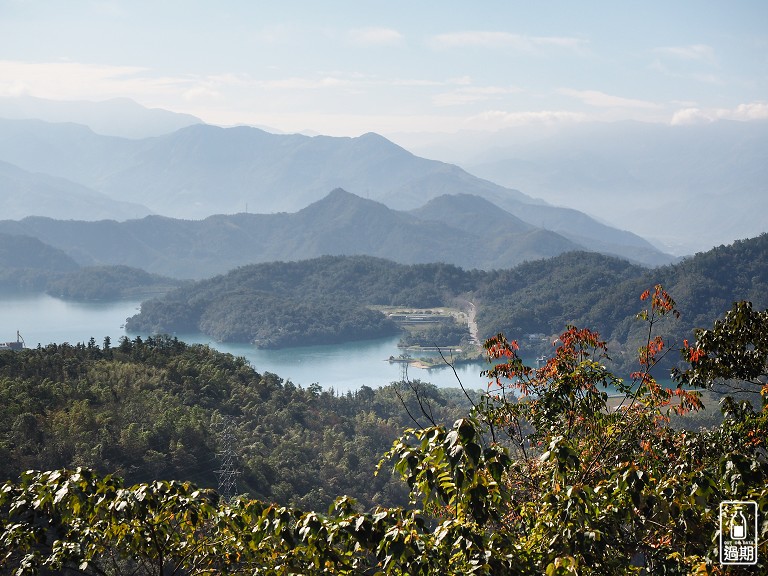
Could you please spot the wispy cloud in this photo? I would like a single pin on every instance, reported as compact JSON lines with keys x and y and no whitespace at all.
{"x":496,"y":40}
{"x":744,"y":112}
{"x":693,"y":62}
{"x":74,"y":80}
{"x":201,"y":92}
{"x":376,"y":37}
{"x":704,"y":77}
{"x":81,"y":81}
{"x":700,"y":52}
{"x":299,"y":83}
{"x":469,"y":94}
{"x":603,"y":100}
{"x":501,"y":119}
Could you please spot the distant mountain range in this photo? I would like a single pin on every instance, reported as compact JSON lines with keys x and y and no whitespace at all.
{"x":121,"y":117}
{"x":200,"y":170}
{"x":685,"y":187}
{"x":23,"y":192}
{"x":464,"y":230}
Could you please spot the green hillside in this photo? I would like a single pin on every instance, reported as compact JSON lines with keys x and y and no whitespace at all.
{"x":157,"y":409}
{"x":29,"y":265}
{"x":327,"y":299}
{"x":566,"y":480}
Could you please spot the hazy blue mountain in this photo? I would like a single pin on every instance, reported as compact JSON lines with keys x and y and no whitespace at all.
{"x":27,"y":264}
{"x":202,"y":170}
{"x":27,"y":252}
{"x":65,"y":150}
{"x":30,"y":265}
{"x":339,"y":224}
{"x":531,"y":221}
{"x":23,"y":193}
{"x":115,"y":117}
{"x":687,"y":187}
{"x":509,"y":238}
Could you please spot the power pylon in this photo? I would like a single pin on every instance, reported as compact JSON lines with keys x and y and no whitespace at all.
{"x":228,"y":472}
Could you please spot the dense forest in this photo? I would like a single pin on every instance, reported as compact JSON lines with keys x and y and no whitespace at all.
{"x":158,"y":408}
{"x":327,"y":299}
{"x":542,"y":473}
{"x":280,"y":304}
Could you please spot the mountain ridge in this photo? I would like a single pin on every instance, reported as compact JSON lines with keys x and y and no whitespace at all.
{"x":121,"y":117}
{"x":341,"y":223}
{"x":201,"y":170}
{"x":646,"y":175}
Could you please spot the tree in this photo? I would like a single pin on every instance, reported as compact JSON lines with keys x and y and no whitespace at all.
{"x":547,"y":474}
{"x":595,"y":485}
{"x":733,"y":354}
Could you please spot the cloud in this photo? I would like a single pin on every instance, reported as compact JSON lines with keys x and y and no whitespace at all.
{"x":690,"y":116}
{"x":603,"y":100}
{"x":700,"y":52}
{"x":13,"y":88}
{"x":468,"y":94}
{"x":743,"y":112}
{"x":704,"y":77}
{"x":76,"y":81}
{"x":496,"y":40}
{"x":501,"y":119}
{"x":751,"y":111}
{"x":201,"y":92}
{"x":460,"y":80}
{"x":298,"y":83}
{"x":375,"y":37}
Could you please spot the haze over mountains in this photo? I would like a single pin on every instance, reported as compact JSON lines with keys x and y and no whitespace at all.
{"x":464,"y":230}
{"x":115,"y":117}
{"x":59,"y":169}
{"x":687,"y":187}
{"x":633,"y":175}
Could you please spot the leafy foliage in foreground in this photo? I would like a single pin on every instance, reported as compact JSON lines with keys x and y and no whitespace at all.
{"x":558,"y":483}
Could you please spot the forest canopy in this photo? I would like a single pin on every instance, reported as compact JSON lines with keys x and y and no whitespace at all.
{"x":272,"y":304}
{"x":158,"y":408}
{"x":542,"y":473}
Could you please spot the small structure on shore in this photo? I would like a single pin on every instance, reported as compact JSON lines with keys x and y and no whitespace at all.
{"x":15,"y":346}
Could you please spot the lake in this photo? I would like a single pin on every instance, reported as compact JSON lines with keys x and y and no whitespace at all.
{"x":42,"y":319}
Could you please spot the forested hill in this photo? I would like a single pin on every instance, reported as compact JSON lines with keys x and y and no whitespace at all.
{"x":26,"y":252}
{"x":158,"y":408}
{"x":592,"y":291}
{"x":28,"y":265}
{"x":323,"y":300}
{"x":327,"y":299}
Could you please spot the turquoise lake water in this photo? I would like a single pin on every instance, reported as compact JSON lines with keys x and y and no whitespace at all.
{"x":43,"y":319}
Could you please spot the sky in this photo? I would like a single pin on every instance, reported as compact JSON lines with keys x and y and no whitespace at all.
{"x":345,"y":67}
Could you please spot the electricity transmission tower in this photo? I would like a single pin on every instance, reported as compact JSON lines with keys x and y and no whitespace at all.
{"x":227,"y":473}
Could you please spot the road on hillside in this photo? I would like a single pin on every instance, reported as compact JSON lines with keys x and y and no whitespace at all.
{"x":471,"y":320}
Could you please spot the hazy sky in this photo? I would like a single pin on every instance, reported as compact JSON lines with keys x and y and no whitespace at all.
{"x":345,"y":67}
